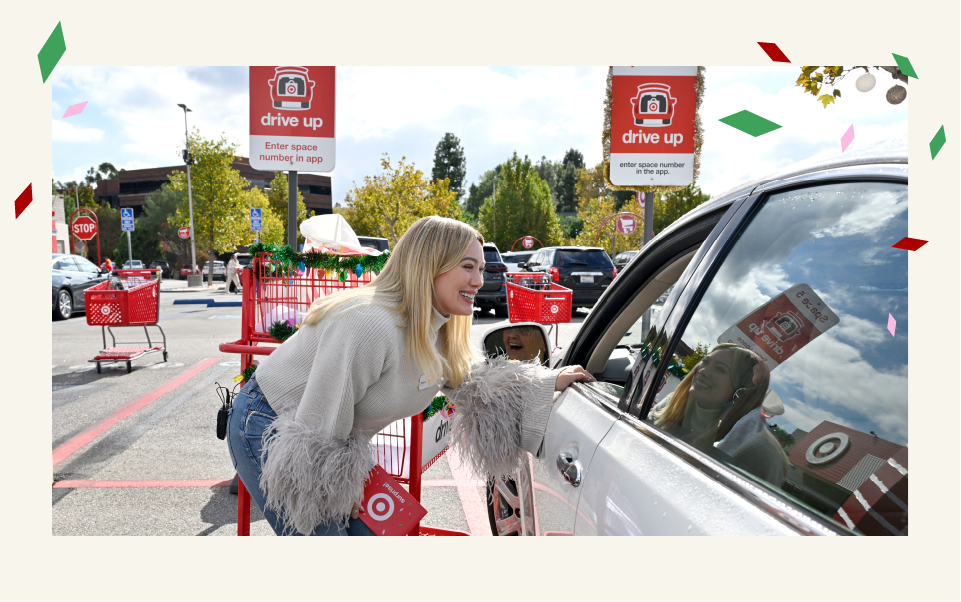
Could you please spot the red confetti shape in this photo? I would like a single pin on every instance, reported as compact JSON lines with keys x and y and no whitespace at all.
{"x":23,"y":201}
{"x":910,"y":244}
{"x":774,"y":52}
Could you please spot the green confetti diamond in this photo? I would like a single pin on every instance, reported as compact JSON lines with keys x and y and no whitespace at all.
{"x":51,"y":52}
{"x":905,"y":65}
{"x":749,"y":123}
{"x":937,"y":142}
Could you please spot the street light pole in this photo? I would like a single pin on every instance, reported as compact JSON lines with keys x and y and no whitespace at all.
{"x":190,"y":204}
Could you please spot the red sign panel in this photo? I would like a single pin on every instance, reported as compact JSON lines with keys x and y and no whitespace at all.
{"x":652,"y":126}
{"x":292,"y":118}
{"x":626,"y":224}
{"x":782,"y":326}
{"x":84,"y":228}
{"x":527,"y":242}
{"x":388,"y":509}
{"x":184,"y":233}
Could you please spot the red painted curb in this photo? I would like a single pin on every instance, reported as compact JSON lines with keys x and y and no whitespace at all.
{"x":71,"y":446}
{"x":162,"y":483}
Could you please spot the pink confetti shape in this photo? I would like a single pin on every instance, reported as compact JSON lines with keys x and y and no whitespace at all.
{"x":891,"y":324}
{"x":847,"y":138}
{"x":75,"y":109}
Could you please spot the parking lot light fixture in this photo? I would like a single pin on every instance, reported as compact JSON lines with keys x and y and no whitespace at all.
{"x":192,"y":280}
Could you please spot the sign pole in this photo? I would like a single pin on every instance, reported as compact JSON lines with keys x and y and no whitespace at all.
{"x":190,"y":204}
{"x":648,"y":217}
{"x":292,"y":210}
{"x":129,"y":250}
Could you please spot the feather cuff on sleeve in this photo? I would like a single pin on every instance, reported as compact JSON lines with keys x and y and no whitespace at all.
{"x":312,"y":479}
{"x":502,"y":412}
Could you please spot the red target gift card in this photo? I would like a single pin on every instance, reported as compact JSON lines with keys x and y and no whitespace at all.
{"x":388,"y":509}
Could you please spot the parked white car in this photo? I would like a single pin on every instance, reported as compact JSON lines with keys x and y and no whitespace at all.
{"x":768,"y":396}
{"x":220,"y":270}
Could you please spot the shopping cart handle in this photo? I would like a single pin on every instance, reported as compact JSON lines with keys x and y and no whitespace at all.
{"x":240,"y":347}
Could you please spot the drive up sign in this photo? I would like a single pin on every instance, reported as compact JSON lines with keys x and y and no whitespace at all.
{"x":782,"y":326}
{"x":292,"y":118}
{"x":652,"y":126}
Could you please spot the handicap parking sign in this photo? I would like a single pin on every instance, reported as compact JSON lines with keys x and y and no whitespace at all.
{"x":126,"y":219}
{"x":256,"y":220}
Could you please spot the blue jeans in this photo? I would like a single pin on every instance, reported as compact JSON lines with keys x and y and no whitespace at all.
{"x":250,"y":416}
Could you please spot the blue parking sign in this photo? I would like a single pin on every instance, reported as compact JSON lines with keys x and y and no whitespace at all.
{"x":256,"y":220}
{"x":126,"y":219}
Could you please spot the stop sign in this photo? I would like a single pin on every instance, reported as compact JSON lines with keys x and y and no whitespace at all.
{"x":626,"y":224}
{"x":184,"y":233}
{"x":84,"y":227}
{"x":528,"y":242}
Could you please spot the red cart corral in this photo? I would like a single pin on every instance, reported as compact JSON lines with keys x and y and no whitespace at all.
{"x":272,"y":292}
{"x":137,"y":304}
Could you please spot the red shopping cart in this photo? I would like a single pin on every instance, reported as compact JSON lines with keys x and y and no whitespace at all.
{"x":533,"y":297}
{"x":136,"y":303}
{"x":276,"y":292}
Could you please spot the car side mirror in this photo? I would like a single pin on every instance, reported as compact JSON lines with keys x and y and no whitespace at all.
{"x":521,"y":265}
{"x":523,"y":342}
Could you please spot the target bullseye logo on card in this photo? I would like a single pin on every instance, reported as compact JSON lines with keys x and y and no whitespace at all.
{"x":380,"y":507}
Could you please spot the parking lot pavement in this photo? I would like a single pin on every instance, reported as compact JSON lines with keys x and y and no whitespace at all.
{"x":137,"y":454}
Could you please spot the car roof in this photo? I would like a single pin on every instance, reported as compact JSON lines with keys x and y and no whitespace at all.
{"x":888,"y":152}
{"x":574,"y":248}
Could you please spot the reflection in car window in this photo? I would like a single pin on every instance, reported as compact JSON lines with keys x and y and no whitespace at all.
{"x":68,"y":265}
{"x":634,"y":337}
{"x":791,"y":369}
{"x":86,"y":266}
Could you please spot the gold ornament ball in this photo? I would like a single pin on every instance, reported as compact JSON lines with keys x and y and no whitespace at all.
{"x":897,"y":94}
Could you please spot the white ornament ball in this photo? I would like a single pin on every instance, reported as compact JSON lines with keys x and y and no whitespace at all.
{"x":865,"y":83}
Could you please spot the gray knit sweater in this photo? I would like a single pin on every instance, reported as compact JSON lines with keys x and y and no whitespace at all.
{"x":336,"y":384}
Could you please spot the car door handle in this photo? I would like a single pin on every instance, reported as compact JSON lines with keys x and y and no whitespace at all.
{"x":569,"y":468}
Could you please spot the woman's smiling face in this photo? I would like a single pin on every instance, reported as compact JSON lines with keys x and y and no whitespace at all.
{"x":454,"y":290}
{"x":713,"y":385}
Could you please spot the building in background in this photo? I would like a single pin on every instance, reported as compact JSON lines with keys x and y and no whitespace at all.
{"x":61,"y":243}
{"x":132,"y":186}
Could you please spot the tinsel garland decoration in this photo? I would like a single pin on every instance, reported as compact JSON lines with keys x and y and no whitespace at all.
{"x":343,"y":266}
{"x":439,"y":403}
{"x":606,"y":136}
{"x":282,"y":330}
{"x":675,"y":368}
{"x":246,"y":374}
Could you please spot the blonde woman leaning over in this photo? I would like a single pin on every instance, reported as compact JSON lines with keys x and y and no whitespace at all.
{"x":299,"y":430}
{"x":718,"y":404}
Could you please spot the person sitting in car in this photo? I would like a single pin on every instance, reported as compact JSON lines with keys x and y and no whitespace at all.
{"x":717,"y":406}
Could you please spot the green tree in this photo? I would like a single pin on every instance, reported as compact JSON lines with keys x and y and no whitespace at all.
{"x":389,"y":203}
{"x":668,"y":207}
{"x":220,"y":220}
{"x":481,"y":191}
{"x":595,"y":203}
{"x":521,"y":207}
{"x":567,"y":180}
{"x":449,"y":163}
{"x":278,"y":194}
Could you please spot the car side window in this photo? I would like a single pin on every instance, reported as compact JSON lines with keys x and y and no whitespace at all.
{"x":793,"y":368}
{"x":87,"y":267}
{"x":535,"y":259}
{"x":67,"y":264}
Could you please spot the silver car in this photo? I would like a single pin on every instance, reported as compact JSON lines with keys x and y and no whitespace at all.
{"x":767,"y":396}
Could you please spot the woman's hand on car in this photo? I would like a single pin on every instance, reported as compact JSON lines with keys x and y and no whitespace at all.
{"x":570,"y":375}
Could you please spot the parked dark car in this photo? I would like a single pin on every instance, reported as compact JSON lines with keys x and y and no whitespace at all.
{"x":165,"y":270}
{"x":381,"y":244}
{"x":623,"y":258}
{"x":587,"y":271}
{"x":493,"y":295}
{"x":72,"y":275}
{"x":796,"y":270}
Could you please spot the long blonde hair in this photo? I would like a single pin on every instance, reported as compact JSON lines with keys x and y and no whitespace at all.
{"x":430,"y":247}
{"x":748,"y":394}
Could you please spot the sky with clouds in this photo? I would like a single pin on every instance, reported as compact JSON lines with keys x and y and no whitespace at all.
{"x":132,"y":119}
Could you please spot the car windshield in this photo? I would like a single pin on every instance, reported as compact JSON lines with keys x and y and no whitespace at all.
{"x":593,"y":258}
